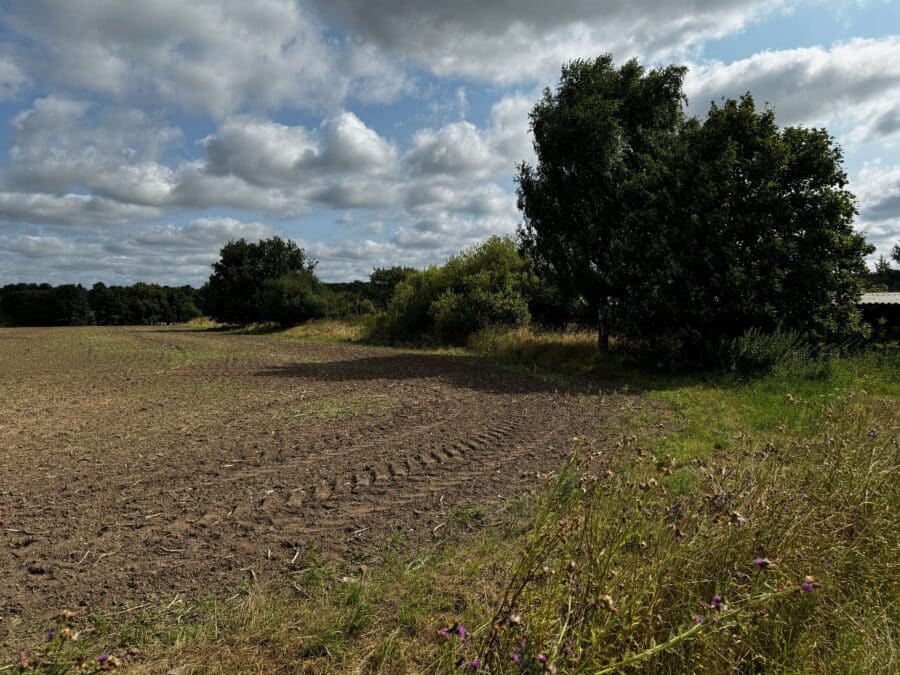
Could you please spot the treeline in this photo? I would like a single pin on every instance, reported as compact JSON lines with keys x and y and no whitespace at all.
{"x":74,"y":305}
{"x":274,"y":281}
{"x":493,"y":284}
{"x":681,"y":239}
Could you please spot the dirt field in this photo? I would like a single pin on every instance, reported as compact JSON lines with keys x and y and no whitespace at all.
{"x":140,"y":463}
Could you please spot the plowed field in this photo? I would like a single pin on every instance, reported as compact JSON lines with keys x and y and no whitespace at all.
{"x":140,"y":463}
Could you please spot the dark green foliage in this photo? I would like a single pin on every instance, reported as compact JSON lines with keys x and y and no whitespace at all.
{"x":71,"y":305}
{"x":743,"y":225}
{"x":383,"y":281}
{"x":292,"y":299}
{"x":758,"y":352}
{"x":884,"y":278}
{"x":481,"y":287}
{"x":344,"y":305}
{"x":592,"y":137}
{"x":142,"y":304}
{"x":234,"y":292}
{"x":45,"y":305}
{"x":688,"y":233}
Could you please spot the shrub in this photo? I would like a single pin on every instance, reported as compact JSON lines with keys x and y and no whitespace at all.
{"x":480,"y":287}
{"x":757,"y":351}
{"x":292,"y":299}
{"x":345,"y":305}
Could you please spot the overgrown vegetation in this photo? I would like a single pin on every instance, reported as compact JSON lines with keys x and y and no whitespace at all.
{"x":755,"y":531}
{"x":480,"y":287}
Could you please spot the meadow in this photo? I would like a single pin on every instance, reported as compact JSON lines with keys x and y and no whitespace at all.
{"x":518,"y":506}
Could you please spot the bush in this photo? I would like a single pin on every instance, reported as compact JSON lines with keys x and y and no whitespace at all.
{"x":481,"y":287}
{"x":292,"y":299}
{"x":757,"y":352}
{"x":345,"y":305}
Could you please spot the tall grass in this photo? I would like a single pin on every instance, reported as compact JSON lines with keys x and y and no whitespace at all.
{"x":780,"y":554}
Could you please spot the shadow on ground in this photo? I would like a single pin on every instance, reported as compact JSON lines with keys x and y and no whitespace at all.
{"x":469,"y":373}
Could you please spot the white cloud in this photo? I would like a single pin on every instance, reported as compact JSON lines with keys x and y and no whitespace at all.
{"x":69,"y":209}
{"x":855,"y":83}
{"x":211,"y":56}
{"x":173,"y":254}
{"x":12,"y":80}
{"x":877,"y":188}
{"x":514,"y":41}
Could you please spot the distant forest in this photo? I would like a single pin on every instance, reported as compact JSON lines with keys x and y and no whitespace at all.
{"x":135,"y":305}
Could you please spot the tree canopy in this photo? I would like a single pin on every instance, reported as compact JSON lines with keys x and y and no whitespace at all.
{"x":686,"y":232}
{"x":235,"y":291}
{"x":593,"y":138}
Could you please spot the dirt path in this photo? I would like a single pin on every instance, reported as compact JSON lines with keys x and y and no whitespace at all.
{"x":139,"y":463}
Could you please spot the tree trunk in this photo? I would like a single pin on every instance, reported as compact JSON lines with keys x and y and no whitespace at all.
{"x":602,"y":333}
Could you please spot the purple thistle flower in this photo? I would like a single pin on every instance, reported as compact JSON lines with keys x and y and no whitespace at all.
{"x":807,"y":587}
{"x":474,"y":664}
{"x":102,"y":658}
{"x":515,"y":657}
{"x":698,"y":619}
{"x":462,"y":632}
{"x":717,"y":601}
{"x":762,"y":562}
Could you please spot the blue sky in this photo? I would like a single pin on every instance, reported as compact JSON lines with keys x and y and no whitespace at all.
{"x":138,"y":137}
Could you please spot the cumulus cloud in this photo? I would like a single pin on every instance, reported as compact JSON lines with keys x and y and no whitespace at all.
{"x":173,"y":254}
{"x":69,"y":209}
{"x":209,"y":56}
{"x":111,"y":144}
{"x":855,"y":83}
{"x":271,"y":154}
{"x":13,"y":80}
{"x":513,"y":41}
{"x":877,"y":188}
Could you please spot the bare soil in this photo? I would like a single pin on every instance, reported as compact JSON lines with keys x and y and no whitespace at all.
{"x":140,"y":463}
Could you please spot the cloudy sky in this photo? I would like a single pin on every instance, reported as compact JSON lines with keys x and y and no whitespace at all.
{"x":137,"y":136}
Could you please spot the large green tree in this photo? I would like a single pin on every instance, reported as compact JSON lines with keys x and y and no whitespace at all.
{"x":686,"y":233}
{"x":746,"y":225}
{"x":235,"y":291}
{"x":592,"y":138}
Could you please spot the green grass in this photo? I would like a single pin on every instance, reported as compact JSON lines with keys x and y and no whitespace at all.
{"x":608,"y":568}
{"x":334,"y":409}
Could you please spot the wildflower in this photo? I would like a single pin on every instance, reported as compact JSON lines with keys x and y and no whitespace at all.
{"x":51,"y":634}
{"x":515,"y":657}
{"x":542,"y":658}
{"x":462,"y":632}
{"x":108,"y":662}
{"x":716,"y":601}
{"x":474,"y":664}
{"x":738,"y":518}
{"x":763,"y":563}
{"x":606,"y":602}
{"x":698,"y":619}
{"x":809,"y":584}
{"x":68,"y":634}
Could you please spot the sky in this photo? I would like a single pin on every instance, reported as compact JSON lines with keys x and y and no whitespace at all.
{"x":139,"y":136}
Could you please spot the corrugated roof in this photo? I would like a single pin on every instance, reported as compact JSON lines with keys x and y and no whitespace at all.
{"x":880,"y":299}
